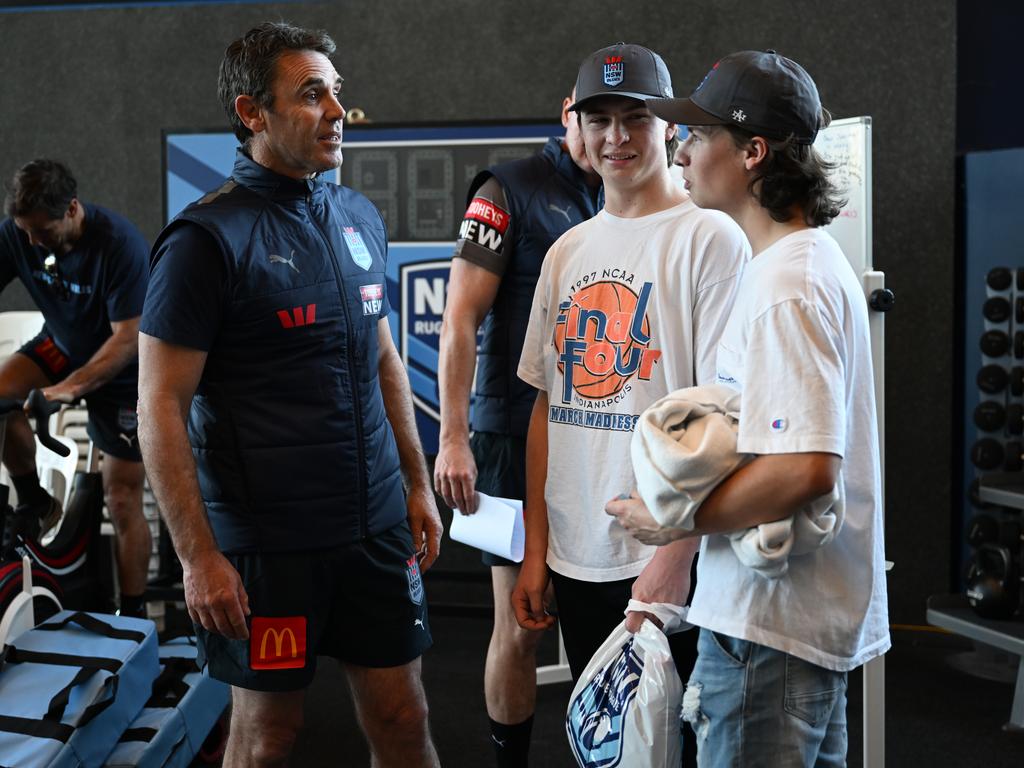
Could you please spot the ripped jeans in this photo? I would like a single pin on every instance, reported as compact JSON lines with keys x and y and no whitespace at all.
{"x":752,"y":706}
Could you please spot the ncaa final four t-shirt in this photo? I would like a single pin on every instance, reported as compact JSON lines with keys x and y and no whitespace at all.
{"x":625,"y":311}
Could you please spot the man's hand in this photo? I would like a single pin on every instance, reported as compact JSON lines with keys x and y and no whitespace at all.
{"x":665,"y":579}
{"x":633,"y":515}
{"x":59,"y":393}
{"x":455,"y":476}
{"x":425,"y":524}
{"x":528,"y":595}
{"x":215,"y":596}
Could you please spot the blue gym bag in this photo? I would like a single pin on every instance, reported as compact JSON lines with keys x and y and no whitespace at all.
{"x":70,"y":686}
{"x":184,"y":707}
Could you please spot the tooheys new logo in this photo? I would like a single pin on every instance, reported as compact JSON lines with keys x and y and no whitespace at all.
{"x":595,"y":719}
{"x":602,"y":337}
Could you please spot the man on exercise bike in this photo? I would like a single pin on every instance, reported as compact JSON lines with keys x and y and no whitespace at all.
{"x":86,"y":269}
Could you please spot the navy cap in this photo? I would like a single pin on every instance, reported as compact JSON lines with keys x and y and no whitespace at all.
{"x":759,"y":91}
{"x":622,"y":70}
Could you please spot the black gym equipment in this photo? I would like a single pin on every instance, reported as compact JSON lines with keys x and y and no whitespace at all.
{"x":994,"y":343}
{"x":989,"y":416}
{"x":993,"y":588}
{"x":999,"y":278}
{"x":996,"y":309}
{"x":992,"y":379}
{"x":987,"y":454}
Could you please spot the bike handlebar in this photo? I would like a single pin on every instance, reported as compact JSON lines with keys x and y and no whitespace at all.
{"x":41,"y":409}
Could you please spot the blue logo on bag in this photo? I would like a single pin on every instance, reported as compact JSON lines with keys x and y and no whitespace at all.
{"x":595,"y":720}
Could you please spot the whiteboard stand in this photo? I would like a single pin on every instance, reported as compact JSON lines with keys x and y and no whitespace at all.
{"x":847,"y":143}
{"x":555,"y":673}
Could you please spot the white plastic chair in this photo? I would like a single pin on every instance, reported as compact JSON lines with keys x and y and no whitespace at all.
{"x":56,"y":472}
{"x":16,"y":328}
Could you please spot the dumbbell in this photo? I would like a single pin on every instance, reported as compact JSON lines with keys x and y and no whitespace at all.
{"x":996,"y":309}
{"x":999,"y":278}
{"x":993,"y":528}
{"x":989,"y":416}
{"x":993,"y":589}
{"x":994,"y":343}
{"x":987,"y":454}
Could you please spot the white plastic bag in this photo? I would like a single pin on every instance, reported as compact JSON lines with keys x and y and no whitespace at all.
{"x":625,"y":708}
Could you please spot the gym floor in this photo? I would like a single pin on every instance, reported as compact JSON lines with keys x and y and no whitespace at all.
{"x":936,"y":715}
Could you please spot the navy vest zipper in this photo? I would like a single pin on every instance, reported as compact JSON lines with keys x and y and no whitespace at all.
{"x":356,"y":403}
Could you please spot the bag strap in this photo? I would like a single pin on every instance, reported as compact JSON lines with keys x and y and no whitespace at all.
{"x":94,"y":625}
{"x":14,"y":655}
{"x":672,"y":617}
{"x":170,"y":687}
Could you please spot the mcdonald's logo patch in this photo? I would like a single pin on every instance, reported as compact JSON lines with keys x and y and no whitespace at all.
{"x":277,"y":642}
{"x":297,"y":316}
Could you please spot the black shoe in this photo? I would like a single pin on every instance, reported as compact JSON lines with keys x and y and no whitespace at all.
{"x":20,"y":525}
{"x":48,"y":512}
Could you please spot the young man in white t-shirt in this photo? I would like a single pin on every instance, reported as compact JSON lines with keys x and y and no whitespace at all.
{"x":769,"y":686}
{"x":629,"y":307}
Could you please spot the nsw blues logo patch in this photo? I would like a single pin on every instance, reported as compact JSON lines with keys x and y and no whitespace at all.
{"x":360,"y":253}
{"x":613,"y":70}
{"x":595,"y":720}
{"x":412,"y":572}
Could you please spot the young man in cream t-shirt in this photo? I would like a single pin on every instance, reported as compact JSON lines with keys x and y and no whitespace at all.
{"x":629,"y":306}
{"x":769,"y":686}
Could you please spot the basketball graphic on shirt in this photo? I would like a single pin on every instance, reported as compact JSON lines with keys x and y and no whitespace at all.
{"x":602,"y":337}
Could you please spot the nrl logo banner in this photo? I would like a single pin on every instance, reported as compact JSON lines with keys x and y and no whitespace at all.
{"x":417,"y":290}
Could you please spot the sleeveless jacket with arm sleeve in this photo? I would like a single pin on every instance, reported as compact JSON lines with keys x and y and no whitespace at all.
{"x":288,"y":427}
{"x":547,"y":194}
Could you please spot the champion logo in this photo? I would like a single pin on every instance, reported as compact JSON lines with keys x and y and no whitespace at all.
{"x":779,"y":425}
{"x":297,"y":317}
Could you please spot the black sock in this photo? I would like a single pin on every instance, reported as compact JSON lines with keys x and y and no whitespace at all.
{"x":132,"y":605}
{"x":28,"y":488}
{"x":511,"y":743}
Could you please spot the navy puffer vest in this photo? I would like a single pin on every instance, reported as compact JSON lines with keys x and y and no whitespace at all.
{"x":546,"y":194}
{"x":288,"y":427}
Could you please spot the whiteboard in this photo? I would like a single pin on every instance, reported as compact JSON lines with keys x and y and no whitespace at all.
{"x":847,"y":143}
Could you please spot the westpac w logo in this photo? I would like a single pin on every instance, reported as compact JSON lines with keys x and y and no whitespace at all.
{"x":595,"y":720}
{"x":278,"y":642}
{"x":297,"y":317}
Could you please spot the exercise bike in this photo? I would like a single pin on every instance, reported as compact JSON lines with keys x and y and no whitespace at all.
{"x":69,"y":570}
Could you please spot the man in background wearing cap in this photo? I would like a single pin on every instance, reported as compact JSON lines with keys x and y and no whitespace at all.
{"x":774,"y":654}
{"x":629,"y":307}
{"x":516,"y":211}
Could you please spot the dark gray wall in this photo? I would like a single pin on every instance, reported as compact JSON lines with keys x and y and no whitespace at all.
{"x":96,"y":88}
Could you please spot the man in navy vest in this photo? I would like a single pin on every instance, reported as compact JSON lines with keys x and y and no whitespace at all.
{"x":516,"y":211}
{"x":284,"y":492}
{"x":85,"y":268}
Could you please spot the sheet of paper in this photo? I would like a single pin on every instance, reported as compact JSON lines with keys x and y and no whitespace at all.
{"x":496,"y":527}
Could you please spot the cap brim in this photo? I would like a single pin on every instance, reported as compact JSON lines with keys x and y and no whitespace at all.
{"x":628,"y":94}
{"x":683,"y":112}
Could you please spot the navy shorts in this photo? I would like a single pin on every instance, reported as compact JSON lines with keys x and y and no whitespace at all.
{"x":501,"y":471}
{"x":113,"y":421}
{"x":362,"y":603}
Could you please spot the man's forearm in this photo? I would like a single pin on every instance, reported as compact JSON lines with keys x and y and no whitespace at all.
{"x":108,"y":361}
{"x":171,"y":470}
{"x":771,"y":487}
{"x":456,"y":363}
{"x":394,"y":385}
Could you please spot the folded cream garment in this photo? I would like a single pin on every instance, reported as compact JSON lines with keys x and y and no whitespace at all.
{"x":685,"y":445}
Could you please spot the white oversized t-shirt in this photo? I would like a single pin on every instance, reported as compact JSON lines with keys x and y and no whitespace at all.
{"x":797,"y":346}
{"x":625,"y":311}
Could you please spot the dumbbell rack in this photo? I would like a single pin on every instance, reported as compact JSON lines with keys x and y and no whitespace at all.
{"x":995,"y":478}
{"x":999,"y":416}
